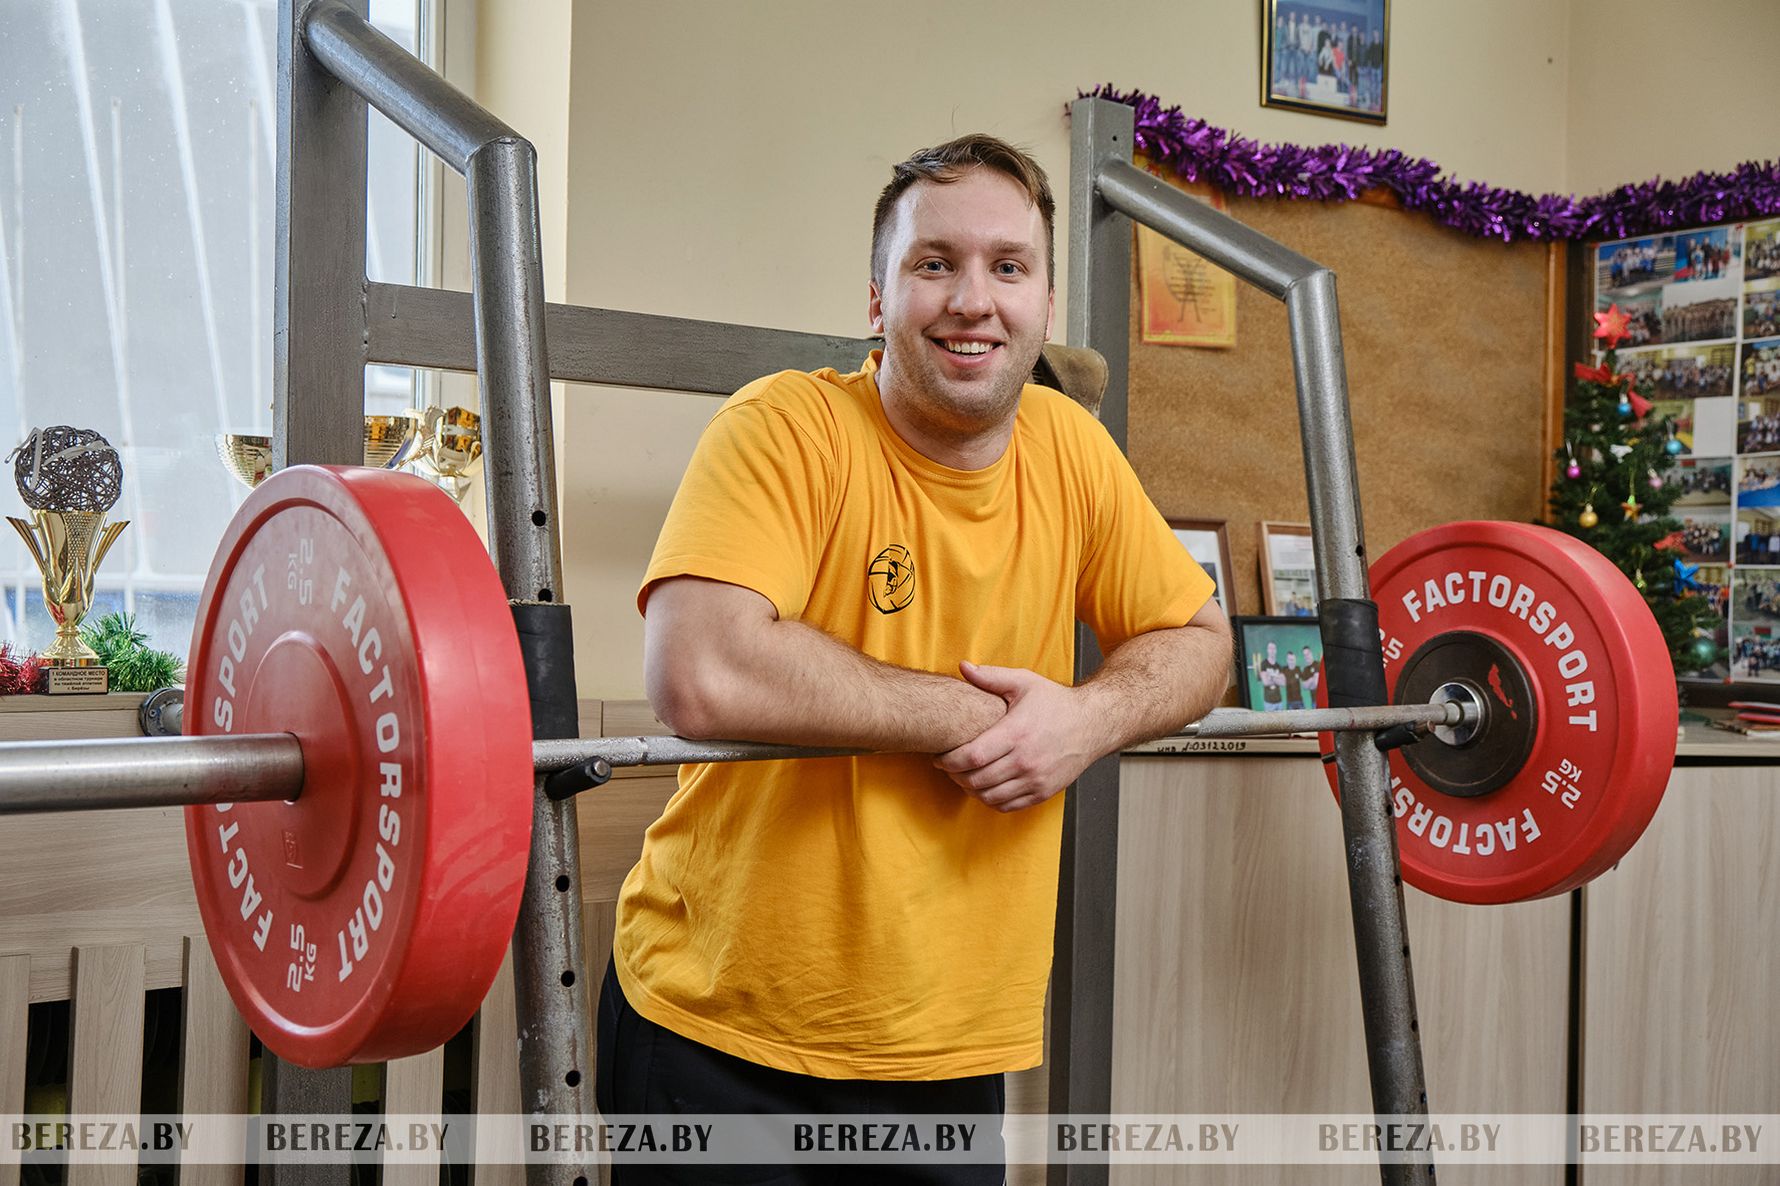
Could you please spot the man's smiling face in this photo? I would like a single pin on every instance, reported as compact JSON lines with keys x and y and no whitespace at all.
{"x":964,"y":303}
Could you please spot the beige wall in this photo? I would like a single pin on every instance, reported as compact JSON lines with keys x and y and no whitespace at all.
{"x":726,"y":160}
{"x":1665,"y":89}
{"x":721,"y":160}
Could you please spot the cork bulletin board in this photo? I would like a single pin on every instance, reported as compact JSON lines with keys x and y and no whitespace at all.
{"x":1454,"y":364}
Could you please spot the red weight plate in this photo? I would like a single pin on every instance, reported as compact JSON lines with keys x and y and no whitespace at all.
{"x":1604,"y":699}
{"x":357,"y":609}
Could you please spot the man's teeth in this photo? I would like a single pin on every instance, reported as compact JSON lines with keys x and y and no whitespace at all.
{"x":969,"y":347}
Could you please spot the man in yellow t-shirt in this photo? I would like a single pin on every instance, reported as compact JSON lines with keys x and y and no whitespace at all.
{"x":892,"y":560}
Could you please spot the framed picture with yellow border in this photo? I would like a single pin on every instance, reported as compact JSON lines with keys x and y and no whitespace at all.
{"x":1207,"y":542}
{"x":1288,"y":571}
{"x":1184,"y":299}
{"x":1326,"y":57}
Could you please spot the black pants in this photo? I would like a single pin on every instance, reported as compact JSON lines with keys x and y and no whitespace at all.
{"x":644,"y":1068}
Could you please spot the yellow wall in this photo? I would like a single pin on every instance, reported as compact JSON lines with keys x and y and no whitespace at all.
{"x":721,"y":160}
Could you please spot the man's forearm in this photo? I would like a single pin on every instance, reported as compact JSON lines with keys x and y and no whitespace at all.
{"x":1148,"y":687}
{"x":1155,"y":683}
{"x":791,"y":683}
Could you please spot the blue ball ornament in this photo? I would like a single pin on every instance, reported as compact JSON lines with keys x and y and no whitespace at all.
{"x":1672,"y":447}
{"x":1625,"y":407}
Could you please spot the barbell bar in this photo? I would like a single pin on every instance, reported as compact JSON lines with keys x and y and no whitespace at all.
{"x":111,"y":773}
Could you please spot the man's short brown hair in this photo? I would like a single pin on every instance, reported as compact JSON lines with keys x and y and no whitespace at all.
{"x":948,"y":162}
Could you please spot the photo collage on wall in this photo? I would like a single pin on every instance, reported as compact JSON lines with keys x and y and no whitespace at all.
{"x":1705,"y":349}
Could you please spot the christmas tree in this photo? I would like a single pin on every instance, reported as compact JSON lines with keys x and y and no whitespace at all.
{"x":1610,"y":493}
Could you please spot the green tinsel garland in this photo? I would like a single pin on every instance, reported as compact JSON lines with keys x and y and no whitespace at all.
{"x":134,"y":665}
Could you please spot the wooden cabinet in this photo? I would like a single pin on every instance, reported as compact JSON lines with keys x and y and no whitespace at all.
{"x":1237,"y":989}
{"x":1681,"y":966}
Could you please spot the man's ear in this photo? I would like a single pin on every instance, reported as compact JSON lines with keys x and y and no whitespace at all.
{"x":874,"y":309}
{"x":1050,"y":313}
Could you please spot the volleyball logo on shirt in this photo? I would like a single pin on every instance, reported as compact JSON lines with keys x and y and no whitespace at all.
{"x":891,"y":579}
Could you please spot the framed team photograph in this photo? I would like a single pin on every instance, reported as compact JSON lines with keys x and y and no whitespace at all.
{"x":1681,"y":372}
{"x":1288,"y":571}
{"x":1758,"y":540}
{"x":1761,"y":250}
{"x":1758,"y":481}
{"x":1755,"y":651}
{"x":1755,"y":630}
{"x":1701,"y":481}
{"x":1281,"y":661}
{"x":1761,"y":374}
{"x":1326,"y":57}
{"x":1208,"y":542}
{"x":1758,"y":419}
{"x":1701,"y":312}
{"x":1622,"y":268}
{"x":1705,"y":534}
{"x":1705,"y":254}
{"x":1761,"y":308}
{"x":1645,"y":310}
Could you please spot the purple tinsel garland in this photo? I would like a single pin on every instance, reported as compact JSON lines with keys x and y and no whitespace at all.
{"x":1197,"y":151}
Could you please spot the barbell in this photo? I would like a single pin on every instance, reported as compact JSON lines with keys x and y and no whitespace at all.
{"x":358,"y":770}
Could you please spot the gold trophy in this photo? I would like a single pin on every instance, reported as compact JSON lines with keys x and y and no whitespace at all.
{"x":390,"y":442}
{"x":450,"y":447}
{"x":70,"y":478}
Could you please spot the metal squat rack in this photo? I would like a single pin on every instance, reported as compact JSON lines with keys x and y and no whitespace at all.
{"x":331,"y":322}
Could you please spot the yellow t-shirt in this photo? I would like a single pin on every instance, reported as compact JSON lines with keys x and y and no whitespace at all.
{"x":865,"y":917}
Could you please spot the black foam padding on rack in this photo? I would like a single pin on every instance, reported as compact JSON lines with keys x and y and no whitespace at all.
{"x":547,"y":642}
{"x":1353,"y":655}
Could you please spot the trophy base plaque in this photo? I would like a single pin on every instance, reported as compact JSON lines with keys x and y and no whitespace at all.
{"x":84,"y":680}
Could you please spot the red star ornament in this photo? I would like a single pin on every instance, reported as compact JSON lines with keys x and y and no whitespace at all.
{"x":1613,"y":325}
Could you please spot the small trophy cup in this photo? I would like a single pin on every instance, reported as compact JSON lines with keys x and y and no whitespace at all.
{"x":70,"y":478}
{"x":390,"y":442}
{"x":450,"y":447}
